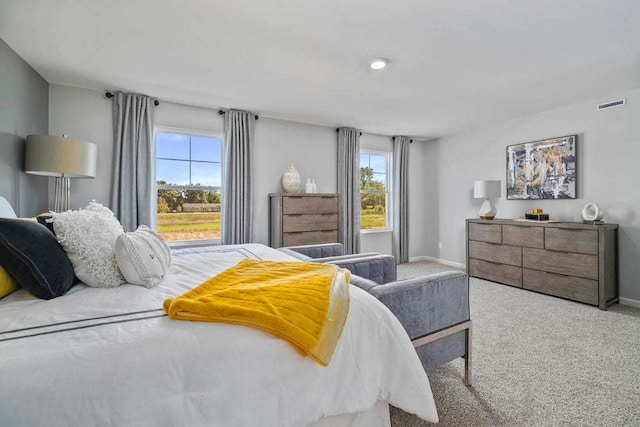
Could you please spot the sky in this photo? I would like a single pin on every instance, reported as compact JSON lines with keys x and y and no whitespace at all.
{"x":188,"y":160}
{"x":377,"y":162}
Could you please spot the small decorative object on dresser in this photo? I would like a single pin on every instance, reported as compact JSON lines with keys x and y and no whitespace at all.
{"x":566,"y":259}
{"x":591,"y":214}
{"x":291,"y":182}
{"x":302,"y":219}
{"x":486,"y":190}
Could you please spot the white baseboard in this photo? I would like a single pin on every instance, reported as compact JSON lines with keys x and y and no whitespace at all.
{"x":630,"y":302}
{"x":438,"y":260}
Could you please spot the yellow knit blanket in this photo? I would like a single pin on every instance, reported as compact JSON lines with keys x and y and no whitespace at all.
{"x":303,"y":303}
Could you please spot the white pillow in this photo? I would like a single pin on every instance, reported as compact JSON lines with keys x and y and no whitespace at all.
{"x":143,"y":257}
{"x":88,"y":236}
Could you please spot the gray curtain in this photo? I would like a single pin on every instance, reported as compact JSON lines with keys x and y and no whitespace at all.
{"x":133,"y":160}
{"x":401,"y":199}
{"x":237,"y":185}
{"x":349,"y":188}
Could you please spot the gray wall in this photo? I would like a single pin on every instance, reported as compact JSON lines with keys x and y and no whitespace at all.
{"x":23,"y":111}
{"x":608,"y":153}
{"x":86,"y":115}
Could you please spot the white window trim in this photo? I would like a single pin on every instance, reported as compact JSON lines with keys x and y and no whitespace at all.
{"x":154,"y":200}
{"x":389,"y":205}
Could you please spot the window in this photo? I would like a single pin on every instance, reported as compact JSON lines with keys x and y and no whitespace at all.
{"x":374,"y":191}
{"x":189,"y":178}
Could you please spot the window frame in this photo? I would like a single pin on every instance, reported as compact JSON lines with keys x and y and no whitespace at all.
{"x":388,"y":192}
{"x":156,"y":187}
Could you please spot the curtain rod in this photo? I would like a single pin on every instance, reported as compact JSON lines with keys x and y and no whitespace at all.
{"x":221,"y":112}
{"x":393,"y":138}
{"x":338,"y":130}
{"x":110,"y":95}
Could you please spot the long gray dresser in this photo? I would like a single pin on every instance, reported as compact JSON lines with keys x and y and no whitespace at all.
{"x":302,"y":219}
{"x":570,"y":260}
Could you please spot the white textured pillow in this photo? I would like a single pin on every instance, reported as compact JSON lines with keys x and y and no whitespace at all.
{"x":143,"y":257}
{"x":88,"y":236}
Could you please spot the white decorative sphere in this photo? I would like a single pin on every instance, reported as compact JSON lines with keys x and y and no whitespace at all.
{"x":291,"y":182}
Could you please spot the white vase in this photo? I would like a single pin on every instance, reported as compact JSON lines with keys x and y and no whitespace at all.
{"x":291,"y":180}
{"x":308,"y":188}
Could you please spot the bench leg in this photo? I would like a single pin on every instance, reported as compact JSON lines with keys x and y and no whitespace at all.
{"x":467,"y":357}
{"x":464,"y":326}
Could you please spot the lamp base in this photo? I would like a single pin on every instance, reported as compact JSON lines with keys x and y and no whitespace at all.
{"x":62,"y":198}
{"x":487,"y":210}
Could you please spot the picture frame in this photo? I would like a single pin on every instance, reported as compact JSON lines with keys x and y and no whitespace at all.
{"x":543,"y":170}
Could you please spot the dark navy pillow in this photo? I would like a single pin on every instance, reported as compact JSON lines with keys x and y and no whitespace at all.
{"x":33,"y":257}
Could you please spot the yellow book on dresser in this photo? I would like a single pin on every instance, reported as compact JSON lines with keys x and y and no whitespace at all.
{"x":303,"y":303}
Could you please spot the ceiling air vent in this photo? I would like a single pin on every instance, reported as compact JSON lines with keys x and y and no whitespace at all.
{"x":612,"y":104}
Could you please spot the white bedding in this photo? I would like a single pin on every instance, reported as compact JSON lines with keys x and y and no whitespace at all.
{"x":155,"y":371}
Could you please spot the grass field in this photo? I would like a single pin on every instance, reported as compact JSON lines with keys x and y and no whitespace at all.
{"x":369,"y":220}
{"x":189,"y":226}
{"x":206,"y":225}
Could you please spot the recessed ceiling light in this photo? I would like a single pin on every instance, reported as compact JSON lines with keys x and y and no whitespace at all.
{"x":378,"y":63}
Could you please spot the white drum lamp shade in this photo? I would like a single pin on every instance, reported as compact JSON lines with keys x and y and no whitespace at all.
{"x":487,"y":190}
{"x":62,"y":158}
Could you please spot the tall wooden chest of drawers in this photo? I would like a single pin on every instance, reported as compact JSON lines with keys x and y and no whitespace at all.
{"x":566,"y":259}
{"x":302,"y":219}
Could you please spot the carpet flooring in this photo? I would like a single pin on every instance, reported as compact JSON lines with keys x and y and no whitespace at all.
{"x":538,"y":361}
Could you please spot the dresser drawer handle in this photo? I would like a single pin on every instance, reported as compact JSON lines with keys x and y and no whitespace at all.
{"x":549,"y":273}
{"x":560,"y":252}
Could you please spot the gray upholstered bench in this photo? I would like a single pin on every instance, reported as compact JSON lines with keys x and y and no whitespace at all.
{"x":433,"y":309}
{"x":379,"y":268}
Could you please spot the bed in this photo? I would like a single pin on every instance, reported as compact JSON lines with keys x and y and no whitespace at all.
{"x":100,"y":357}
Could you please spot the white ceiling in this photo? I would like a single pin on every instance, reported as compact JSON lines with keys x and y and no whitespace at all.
{"x":455,"y":64}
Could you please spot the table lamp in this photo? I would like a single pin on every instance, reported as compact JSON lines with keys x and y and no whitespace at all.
{"x":487,"y":190}
{"x":63,"y":158}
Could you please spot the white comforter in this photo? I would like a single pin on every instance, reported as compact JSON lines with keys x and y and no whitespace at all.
{"x":155,"y":371}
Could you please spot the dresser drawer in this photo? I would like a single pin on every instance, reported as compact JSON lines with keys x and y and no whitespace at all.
{"x":503,"y":254}
{"x":571,"y":240}
{"x":574,"y":288}
{"x":309,"y":237}
{"x":522,"y":235}
{"x":301,"y":204}
{"x":485,"y":232}
{"x":572,"y":264}
{"x":496,"y":272}
{"x":309,"y":222}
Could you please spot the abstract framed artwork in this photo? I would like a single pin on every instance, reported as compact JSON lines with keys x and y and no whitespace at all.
{"x":542,"y":169}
